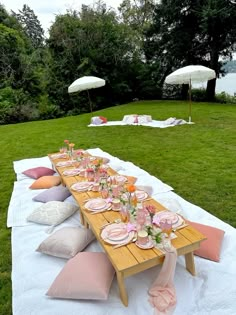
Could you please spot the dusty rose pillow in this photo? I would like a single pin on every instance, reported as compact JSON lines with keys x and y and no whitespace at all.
{"x":211,"y":247}
{"x":87,"y":276}
{"x":38,"y":172}
{"x":55,"y":193}
{"x":66,"y":242}
{"x":45,"y":182}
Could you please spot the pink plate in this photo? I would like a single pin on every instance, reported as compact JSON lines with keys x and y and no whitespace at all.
{"x":97,"y":204}
{"x":168,"y":215}
{"x":141,"y":195}
{"x":148,"y":245}
{"x":72,"y":172}
{"x":81,"y":186}
{"x":116,"y":233}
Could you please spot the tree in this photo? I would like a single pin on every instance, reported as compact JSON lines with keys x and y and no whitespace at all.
{"x":31,"y":25}
{"x":191,"y":32}
{"x":90,"y":42}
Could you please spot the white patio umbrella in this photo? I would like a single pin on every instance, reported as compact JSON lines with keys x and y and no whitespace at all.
{"x":86,"y":83}
{"x":188,"y":75}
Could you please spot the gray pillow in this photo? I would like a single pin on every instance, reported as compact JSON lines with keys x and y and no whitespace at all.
{"x":56,"y":193}
{"x":66,"y":242}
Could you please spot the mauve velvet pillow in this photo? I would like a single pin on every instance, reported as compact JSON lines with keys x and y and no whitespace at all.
{"x":55,"y":193}
{"x":211,"y":247}
{"x":38,"y":172}
{"x":45,"y":182}
{"x":66,"y":242}
{"x":87,"y":276}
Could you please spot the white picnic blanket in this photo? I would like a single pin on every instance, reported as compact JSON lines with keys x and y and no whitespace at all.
{"x":170,"y":122}
{"x":211,"y":291}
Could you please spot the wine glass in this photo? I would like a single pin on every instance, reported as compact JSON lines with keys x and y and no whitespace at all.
{"x":166,"y":226}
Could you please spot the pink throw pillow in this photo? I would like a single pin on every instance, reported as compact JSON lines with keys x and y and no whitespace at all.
{"x":87,"y":276}
{"x":37,"y":172}
{"x":211,"y":247}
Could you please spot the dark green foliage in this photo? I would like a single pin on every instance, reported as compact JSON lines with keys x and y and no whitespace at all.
{"x":191,"y":32}
{"x":31,"y":25}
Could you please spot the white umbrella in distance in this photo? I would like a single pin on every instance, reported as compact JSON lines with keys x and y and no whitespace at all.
{"x":86,"y":83}
{"x":188,"y":75}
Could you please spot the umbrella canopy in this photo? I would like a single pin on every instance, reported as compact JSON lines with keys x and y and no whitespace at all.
{"x":86,"y":83}
{"x":188,"y":75}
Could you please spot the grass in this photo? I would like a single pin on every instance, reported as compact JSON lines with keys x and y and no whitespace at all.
{"x":198,"y":161}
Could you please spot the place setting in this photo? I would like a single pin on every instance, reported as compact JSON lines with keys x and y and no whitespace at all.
{"x":82,"y":186}
{"x":97,"y":205}
{"x":118,"y":234}
{"x":71,"y":172}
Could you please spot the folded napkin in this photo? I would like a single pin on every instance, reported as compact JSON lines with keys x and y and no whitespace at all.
{"x":147,"y":189}
{"x":162,"y":293}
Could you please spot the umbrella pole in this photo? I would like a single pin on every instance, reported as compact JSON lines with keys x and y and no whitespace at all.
{"x":90,"y":103}
{"x":190,"y":102}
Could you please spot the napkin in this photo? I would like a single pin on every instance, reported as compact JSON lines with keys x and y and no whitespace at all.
{"x":147,"y":189}
{"x":162,"y":293}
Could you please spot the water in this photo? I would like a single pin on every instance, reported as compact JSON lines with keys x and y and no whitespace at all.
{"x":226,"y":84}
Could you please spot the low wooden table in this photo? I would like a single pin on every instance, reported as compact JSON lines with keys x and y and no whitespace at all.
{"x":129,"y":260}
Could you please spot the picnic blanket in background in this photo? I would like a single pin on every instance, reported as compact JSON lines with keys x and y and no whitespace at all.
{"x":170,"y":122}
{"x":211,"y":291}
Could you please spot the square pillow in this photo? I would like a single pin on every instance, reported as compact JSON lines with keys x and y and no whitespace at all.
{"x":55,"y":193}
{"x":38,"y":172}
{"x":52,"y":212}
{"x":211,"y":247}
{"x":66,"y":242}
{"x":45,"y":182}
{"x":87,"y":276}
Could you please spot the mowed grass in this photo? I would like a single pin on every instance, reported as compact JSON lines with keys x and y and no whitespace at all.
{"x":198,"y":160}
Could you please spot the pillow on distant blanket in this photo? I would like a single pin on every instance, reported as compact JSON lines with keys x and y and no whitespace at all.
{"x":66,"y":242}
{"x":45,"y":182}
{"x":56,"y":193}
{"x":52,"y":212}
{"x":38,"y":172}
{"x":210,"y":248}
{"x":87,"y":276}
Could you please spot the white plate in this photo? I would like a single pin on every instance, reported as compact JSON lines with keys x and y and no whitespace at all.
{"x":81,"y":186}
{"x":121,"y":178}
{"x":97,"y":204}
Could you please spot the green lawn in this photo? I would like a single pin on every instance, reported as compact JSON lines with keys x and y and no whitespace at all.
{"x":198,"y":161}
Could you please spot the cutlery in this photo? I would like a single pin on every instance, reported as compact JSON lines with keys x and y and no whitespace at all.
{"x":179,"y":228}
{"x":106,"y":224}
{"x":134,"y":239}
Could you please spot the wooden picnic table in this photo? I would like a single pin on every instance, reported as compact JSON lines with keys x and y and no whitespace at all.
{"x":129,"y":259}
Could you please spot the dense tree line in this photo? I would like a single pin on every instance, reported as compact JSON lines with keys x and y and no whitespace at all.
{"x":133,"y":50}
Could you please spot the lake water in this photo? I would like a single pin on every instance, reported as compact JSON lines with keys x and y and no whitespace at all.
{"x":226,"y":84}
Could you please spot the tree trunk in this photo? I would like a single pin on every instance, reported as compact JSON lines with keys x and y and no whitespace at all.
{"x":210,"y":92}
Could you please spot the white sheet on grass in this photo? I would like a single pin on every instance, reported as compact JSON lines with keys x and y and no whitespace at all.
{"x":211,"y":291}
{"x":21,"y":203}
{"x":170,"y":122}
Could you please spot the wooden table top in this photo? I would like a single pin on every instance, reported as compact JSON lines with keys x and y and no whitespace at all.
{"x":129,"y":259}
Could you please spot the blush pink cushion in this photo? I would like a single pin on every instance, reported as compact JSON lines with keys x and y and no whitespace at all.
{"x":211,"y":247}
{"x":45,"y":182}
{"x":38,"y":172}
{"x":87,"y":276}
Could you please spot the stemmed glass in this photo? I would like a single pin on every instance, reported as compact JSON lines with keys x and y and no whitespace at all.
{"x":166,"y":226}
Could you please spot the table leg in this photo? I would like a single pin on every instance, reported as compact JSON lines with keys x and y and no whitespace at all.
{"x":121,"y":284}
{"x":189,"y":262}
